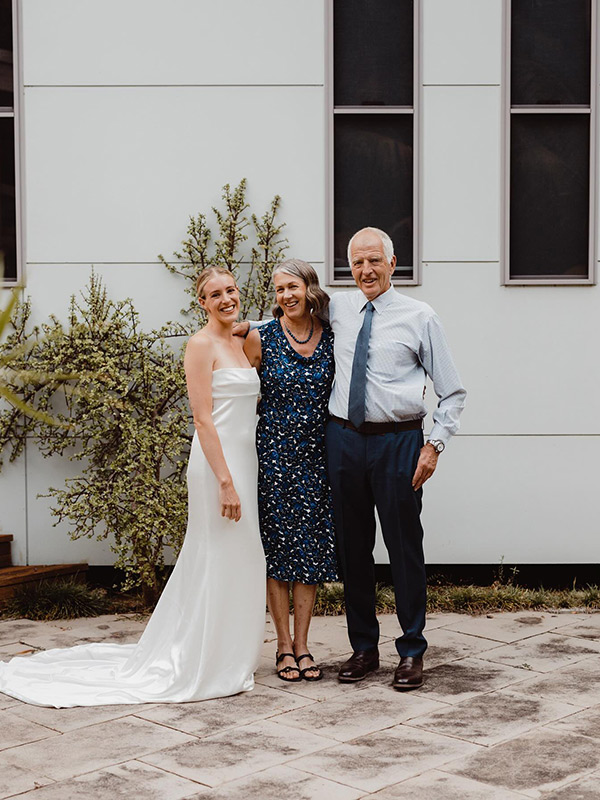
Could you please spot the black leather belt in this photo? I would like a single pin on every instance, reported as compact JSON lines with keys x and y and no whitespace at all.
{"x":375,"y":428}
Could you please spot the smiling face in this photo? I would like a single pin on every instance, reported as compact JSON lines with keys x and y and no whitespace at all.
{"x":290,"y":295}
{"x":370,"y":268}
{"x":221,"y":298}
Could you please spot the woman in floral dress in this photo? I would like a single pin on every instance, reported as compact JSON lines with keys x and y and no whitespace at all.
{"x":294,"y":356}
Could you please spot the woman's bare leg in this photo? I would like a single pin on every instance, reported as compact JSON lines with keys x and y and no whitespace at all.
{"x":278,"y":600}
{"x":304,"y":601}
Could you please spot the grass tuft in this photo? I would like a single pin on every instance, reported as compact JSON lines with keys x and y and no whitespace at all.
{"x":469,"y":599}
{"x":63,"y":598}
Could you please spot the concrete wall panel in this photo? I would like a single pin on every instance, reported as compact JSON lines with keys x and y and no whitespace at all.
{"x":525,"y":499}
{"x":157,"y":295}
{"x":117,"y":172}
{"x":462,"y":42}
{"x":461,"y":173}
{"x":154,"y":42}
{"x":13,"y":513}
{"x":520,"y":350}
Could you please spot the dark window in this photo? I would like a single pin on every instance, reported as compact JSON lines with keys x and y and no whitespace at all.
{"x":550,"y":52}
{"x":373,"y":53}
{"x":373,"y":179}
{"x":373,"y":126}
{"x":8,"y":233}
{"x":549,"y":195}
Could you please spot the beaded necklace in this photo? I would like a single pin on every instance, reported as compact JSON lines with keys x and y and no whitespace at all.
{"x":302,"y":341}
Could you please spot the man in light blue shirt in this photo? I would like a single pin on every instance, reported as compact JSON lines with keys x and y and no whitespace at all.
{"x":385,"y":345}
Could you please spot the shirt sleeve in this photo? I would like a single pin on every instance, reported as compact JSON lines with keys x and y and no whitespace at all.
{"x":256,"y":324}
{"x":437,"y":361}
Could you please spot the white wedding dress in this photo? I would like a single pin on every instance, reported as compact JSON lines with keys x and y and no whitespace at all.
{"x":204,"y":638}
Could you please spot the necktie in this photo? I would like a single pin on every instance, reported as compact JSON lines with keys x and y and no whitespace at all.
{"x":358,"y":381}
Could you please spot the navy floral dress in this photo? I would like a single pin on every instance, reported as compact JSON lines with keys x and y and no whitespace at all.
{"x":294,"y":500}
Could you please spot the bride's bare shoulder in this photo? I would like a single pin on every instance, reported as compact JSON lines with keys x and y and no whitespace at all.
{"x":200,"y":347}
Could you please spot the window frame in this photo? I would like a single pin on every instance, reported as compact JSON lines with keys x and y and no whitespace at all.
{"x":507,"y":112}
{"x":331,"y":111}
{"x":16,"y":115}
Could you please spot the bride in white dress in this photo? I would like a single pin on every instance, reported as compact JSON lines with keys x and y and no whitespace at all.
{"x":204,"y":638}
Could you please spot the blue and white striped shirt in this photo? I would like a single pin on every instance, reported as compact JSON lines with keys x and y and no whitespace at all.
{"x":407,"y":342}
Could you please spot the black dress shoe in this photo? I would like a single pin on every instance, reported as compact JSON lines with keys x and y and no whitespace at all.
{"x":409,"y":673}
{"x":359,"y":665}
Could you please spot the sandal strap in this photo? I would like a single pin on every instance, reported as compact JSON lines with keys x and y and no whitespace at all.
{"x":280,"y":656}
{"x":287,"y":669}
{"x":305,"y":655}
{"x":311,"y":669}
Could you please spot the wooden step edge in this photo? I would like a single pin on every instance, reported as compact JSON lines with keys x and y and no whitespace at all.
{"x":6,"y":537}
{"x":12,"y":576}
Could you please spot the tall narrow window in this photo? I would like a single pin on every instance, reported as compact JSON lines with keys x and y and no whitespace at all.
{"x":8,"y":205}
{"x":550,"y":208}
{"x":372,"y":151}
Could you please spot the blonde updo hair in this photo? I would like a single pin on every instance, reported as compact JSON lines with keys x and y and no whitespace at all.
{"x":206,"y":274}
{"x":316,"y":299}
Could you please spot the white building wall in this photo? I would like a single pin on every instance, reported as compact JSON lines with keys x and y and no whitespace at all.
{"x":136,"y":113}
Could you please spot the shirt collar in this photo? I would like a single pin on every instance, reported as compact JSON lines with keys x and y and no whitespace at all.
{"x":380,"y":302}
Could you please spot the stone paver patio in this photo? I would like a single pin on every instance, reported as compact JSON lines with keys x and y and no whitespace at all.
{"x":510,"y":709}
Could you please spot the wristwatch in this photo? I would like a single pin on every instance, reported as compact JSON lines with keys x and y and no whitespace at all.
{"x":438,"y":445}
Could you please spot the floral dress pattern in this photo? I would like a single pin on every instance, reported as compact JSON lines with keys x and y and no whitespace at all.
{"x":294,"y":499}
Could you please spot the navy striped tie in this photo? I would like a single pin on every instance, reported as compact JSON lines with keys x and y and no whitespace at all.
{"x":358,"y":381}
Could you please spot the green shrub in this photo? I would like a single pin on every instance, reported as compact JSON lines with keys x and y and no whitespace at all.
{"x":62,"y":598}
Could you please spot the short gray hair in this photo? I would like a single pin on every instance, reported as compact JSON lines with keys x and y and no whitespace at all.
{"x":388,"y":245}
{"x":316,"y":299}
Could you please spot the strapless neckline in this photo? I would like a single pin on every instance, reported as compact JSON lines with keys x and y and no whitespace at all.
{"x":245,"y":369}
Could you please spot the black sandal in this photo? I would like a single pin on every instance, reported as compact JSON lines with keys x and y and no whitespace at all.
{"x":281,"y":673}
{"x":314,"y":668}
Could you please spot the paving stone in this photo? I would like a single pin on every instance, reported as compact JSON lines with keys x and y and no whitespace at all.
{"x":441,"y":619}
{"x":15,"y":731}
{"x":543,"y":653}
{"x":540,"y":761}
{"x":382,"y":759}
{"x":281,"y":783}
{"x":69,"y":719}
{"x":584,"y":723}
{"x":328,"y":687}
{"x":578,"y":684}
{"x":15,"y":630}
{"x":446,"y":646}
{"x":8,"y":702}
{"x":95,"y":747}
{"x":586,"y":789}
{"x":211,"y":716}
{"x":435,"y":785}
{"x":588,"y":628}
{"x":491,"y":718}
{"x":345,"y":718}
{"x":505,"y":627}
{"x":459,"y":680}
{"x":121,"y":630}
{"x":8,"y":651}
{"x":390,"y":626}
{"x":236,"y":753}
{"x":130,"y":781}
{"x":15,"y":780}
